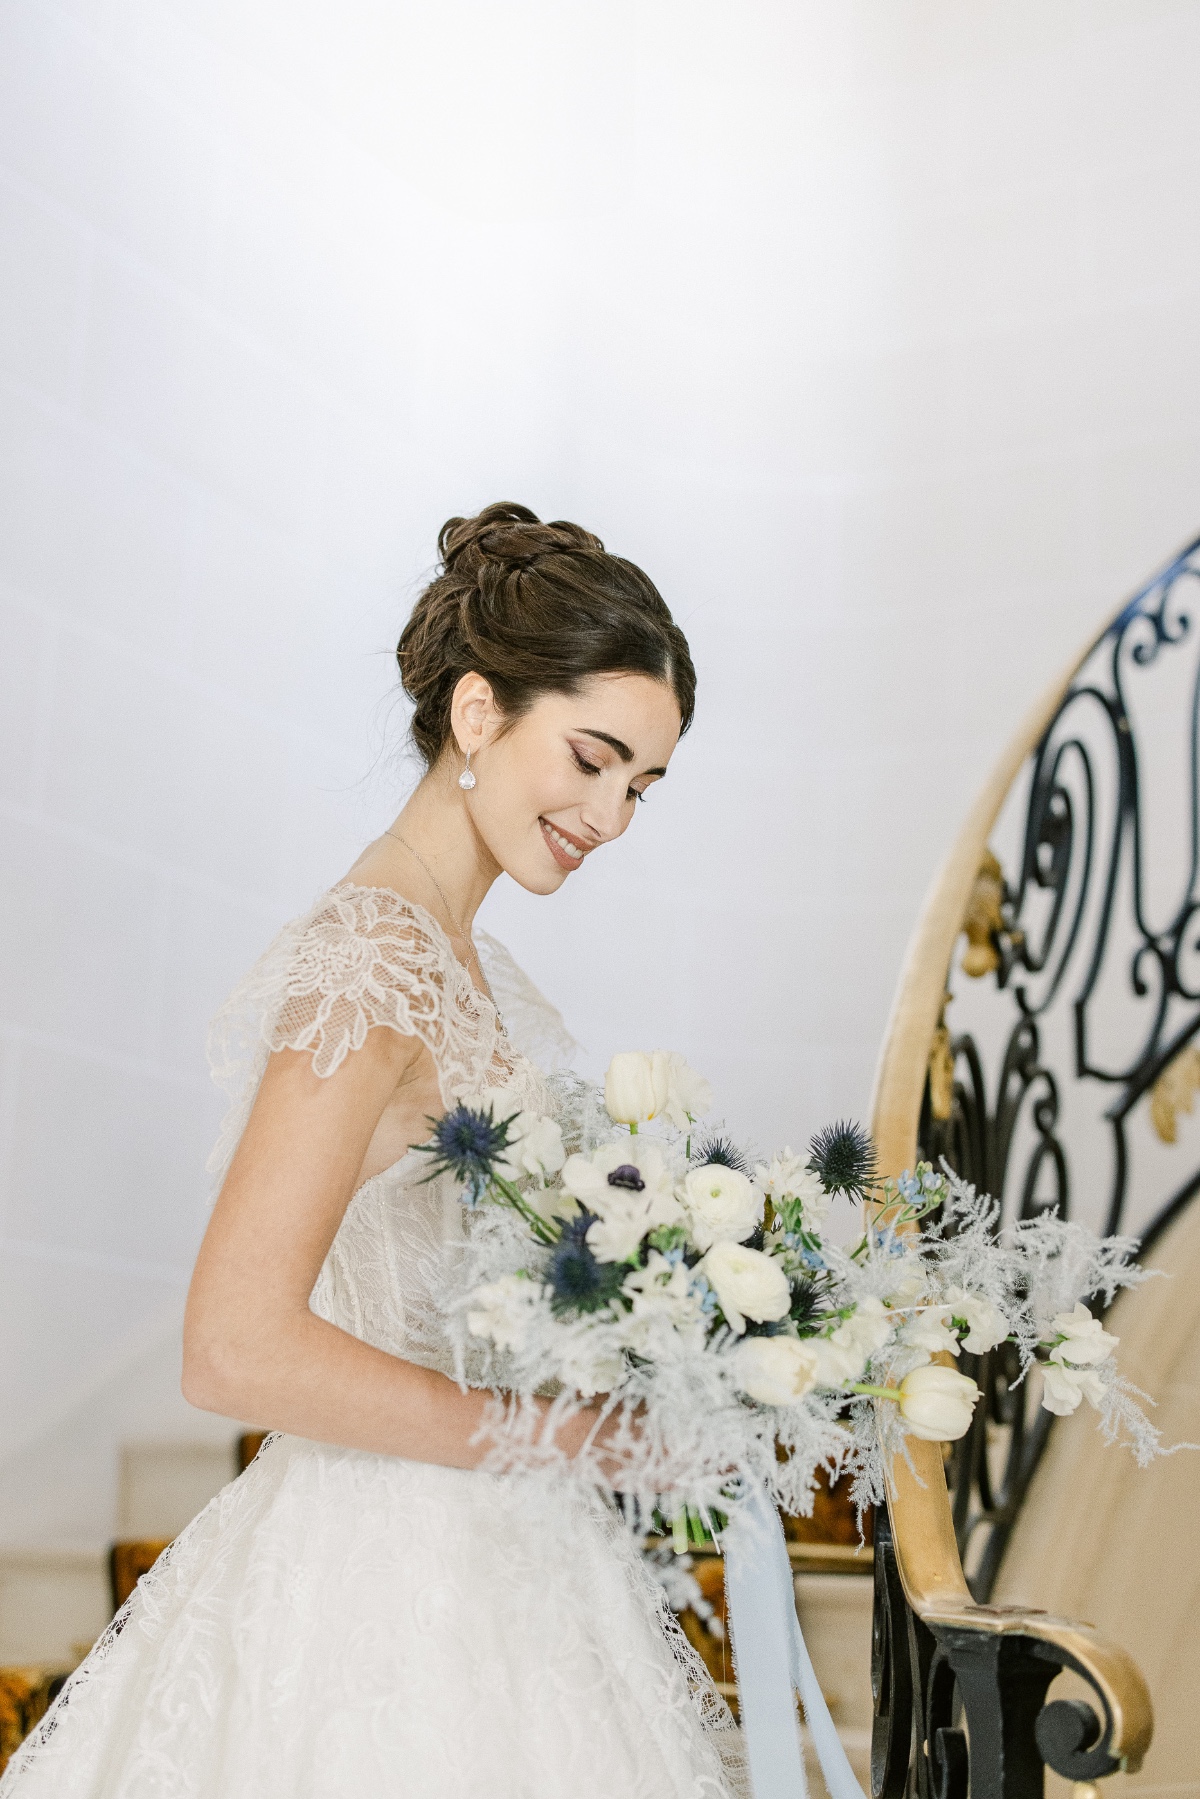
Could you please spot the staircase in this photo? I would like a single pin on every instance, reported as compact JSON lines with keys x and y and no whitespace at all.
{"x":1053,"y":1059}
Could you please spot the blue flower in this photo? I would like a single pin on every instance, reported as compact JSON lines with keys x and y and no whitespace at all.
{"x":467,"y":1143}
{"x":719,"y":1150}
{"x":842,"y":1157}
{"x":578,"y":1281}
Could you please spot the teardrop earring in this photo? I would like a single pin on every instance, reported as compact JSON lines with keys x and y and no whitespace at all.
{"x":467,"y":780}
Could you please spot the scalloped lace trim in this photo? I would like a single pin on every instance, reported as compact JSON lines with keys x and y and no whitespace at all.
{"x":361,"y":957}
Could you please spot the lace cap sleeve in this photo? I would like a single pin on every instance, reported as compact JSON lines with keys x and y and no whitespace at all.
{"x":362,"y":957}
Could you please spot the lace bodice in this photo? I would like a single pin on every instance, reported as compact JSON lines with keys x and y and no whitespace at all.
{"x":315,"y":1628}
{"x":365,"y":957}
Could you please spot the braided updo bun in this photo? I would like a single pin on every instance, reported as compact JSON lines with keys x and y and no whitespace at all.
{"x":535,"y":609}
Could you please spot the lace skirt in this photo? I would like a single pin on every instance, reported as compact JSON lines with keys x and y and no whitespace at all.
{"x":337,"y":1625}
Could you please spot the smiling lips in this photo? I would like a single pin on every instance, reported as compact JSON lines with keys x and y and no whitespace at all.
{"x":568,"y":852}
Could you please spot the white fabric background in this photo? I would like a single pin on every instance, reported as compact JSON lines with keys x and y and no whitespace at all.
{"x":868,"y":326}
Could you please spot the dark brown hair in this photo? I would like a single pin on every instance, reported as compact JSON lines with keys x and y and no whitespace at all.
{"x":534,"y":609}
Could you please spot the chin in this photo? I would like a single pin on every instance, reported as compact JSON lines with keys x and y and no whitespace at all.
{"x":539,"y":880}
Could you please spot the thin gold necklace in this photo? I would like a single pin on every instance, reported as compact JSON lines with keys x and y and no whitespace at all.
{"x":464,"y":936}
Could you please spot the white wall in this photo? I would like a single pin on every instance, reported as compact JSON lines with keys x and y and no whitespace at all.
{"x":869,"y":328}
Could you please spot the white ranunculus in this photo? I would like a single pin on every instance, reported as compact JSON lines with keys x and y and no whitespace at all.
{"x":747,"y":1283}
{"x":636,"y":1086}
{"x":936,"y":1403}
{"x":1064,"y":1387}
{"x":1087,"y":1341}
{"x":722,"y":1205}
{"x":987,"y":1325}
{"x":689,"y":1095}
{"x":776,"y":1370}
{"x":503,"y":1310}
{"x":928,"y":1329}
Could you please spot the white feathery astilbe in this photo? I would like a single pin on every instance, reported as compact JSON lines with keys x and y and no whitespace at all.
{"x":1062,"y":1262}
{"x":734,"y":1346}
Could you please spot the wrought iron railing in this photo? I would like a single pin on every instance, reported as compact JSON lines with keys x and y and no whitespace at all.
{"x":1073,"y":1049}
{"x":960,"y":1691}
{"x":1076,"y":1001}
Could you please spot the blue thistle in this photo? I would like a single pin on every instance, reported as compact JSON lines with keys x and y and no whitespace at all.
{"x":720,"y":1151}
{"x":842,"y":1157}
{"x":578,"y":1281}
{"x":467,"y":1143}
{"x":810,"y":1299}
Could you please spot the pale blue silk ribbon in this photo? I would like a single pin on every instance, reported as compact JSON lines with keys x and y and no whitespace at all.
{"x":772,"y":1662}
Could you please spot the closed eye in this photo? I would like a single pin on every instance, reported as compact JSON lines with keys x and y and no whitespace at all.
{"x":593,"y":768}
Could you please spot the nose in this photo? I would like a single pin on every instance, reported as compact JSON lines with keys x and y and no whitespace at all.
{"x":604,"y":814}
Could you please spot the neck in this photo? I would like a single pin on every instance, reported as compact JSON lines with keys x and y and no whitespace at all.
{"x":437,"y":826}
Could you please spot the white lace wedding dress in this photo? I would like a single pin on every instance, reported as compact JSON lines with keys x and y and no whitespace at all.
{"x":341,"y":1625}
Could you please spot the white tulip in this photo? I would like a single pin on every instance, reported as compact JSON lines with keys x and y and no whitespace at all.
{"x":689,"y":1095}
{"x":722,"y":1205}
{"x":747,"y":1283}
{"x":636,"y":1086}
{"x":1087,"y":1341}
{"x":776,"y":1370}
{"x":987,"y":1325}
{"x":1064,"y":1387}
{"x":936,"y":1403}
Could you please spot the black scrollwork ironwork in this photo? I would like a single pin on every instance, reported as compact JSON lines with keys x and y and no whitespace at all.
{"x":1093,"y":994}
{"x":960,"y":1708}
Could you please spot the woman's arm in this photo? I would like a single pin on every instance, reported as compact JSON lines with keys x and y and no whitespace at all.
{"x":252,"y":1348}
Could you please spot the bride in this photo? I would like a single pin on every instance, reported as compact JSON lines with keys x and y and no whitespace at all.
{"x":364,"y":1613}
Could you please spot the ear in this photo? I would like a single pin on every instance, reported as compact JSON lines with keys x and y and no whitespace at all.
{"x":474,"y":714}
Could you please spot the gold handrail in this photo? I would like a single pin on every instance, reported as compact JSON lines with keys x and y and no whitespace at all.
{"x":925,"y":1546}
{"x":931,"y":1573}
{"x":900,"y":1073}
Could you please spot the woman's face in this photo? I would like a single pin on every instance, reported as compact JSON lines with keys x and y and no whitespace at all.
{"x":568,"y":775}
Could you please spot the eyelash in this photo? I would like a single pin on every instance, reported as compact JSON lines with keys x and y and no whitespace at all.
{"x":591,"y":768}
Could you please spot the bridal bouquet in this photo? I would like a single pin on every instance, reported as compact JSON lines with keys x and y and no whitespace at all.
{"x":693,"y":1299}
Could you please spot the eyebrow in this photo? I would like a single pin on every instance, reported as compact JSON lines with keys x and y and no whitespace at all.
{"x":623,"y":750}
